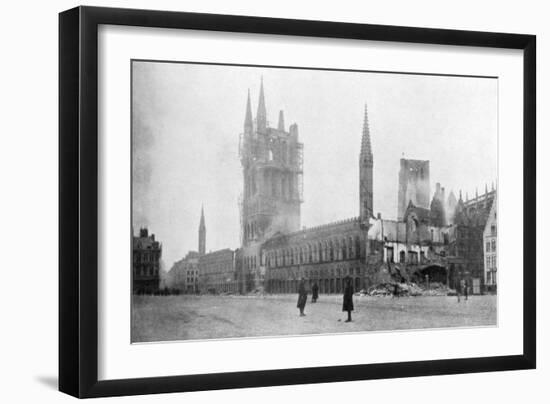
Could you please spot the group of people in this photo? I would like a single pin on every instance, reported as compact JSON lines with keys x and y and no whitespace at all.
{"x":347,"y":304}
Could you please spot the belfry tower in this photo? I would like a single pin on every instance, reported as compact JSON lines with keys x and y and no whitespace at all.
{"x":271,"y":159}
{"x":202,"y":234}
{"x":366,"y":163}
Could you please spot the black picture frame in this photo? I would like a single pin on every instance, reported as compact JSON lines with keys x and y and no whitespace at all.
{"x":78,"y":200}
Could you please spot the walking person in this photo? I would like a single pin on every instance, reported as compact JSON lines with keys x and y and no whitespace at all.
{"x":465,"y":290}
{"x":302,"y":297}
{"x":348,"y":298}
{"x":314,"y":292}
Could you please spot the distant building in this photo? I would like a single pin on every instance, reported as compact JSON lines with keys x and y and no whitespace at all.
{"x":145,"y":262}
{"x":184,"y":274}
{"x":414,"y":185}
{"x":490,"y":248}
{"x":217,"y":272}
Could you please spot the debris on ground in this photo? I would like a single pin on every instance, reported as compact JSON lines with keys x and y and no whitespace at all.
{"x":407,"y":289}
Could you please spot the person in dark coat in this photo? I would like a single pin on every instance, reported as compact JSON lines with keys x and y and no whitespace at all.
{"x":314,"y":292}
{"x":348,"y":298}
{"x":302,"y":297}
{"x":462,"y":288}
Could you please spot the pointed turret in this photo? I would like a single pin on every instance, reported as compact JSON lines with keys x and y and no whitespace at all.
{"x":459,"y":213}
{"x":366,"y":150}
{"x":261,"y":116}
{"x":281,"y":125}
{"x":366,"y":208}
{"x":202,"y":234}
{"x":451,"y":207}
{"x":248,"y":126}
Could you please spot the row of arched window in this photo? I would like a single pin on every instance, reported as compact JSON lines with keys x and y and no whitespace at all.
{"x":251,"y":230}
{"x":250,"y":262}
{"x":317,"y":273}
{"x":275,"y":184}
{"x":321,"y":251}
{"x":324,"y":285}
{"x":279,"y":151}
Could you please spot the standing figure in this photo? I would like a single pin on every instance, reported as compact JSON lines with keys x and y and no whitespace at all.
{"x":465,"y":289}
{"x":460,"y":289}
{"x":348,"y":298}
{"x":314,"y":292}
{"x":302,"y":297}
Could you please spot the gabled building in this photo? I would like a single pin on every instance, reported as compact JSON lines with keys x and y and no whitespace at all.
{"x":490,"y":242}
{"x":146,"y":254}
{"x":466,"y":249}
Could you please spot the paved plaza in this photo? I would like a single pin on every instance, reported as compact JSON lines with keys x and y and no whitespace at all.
{"x":184,"y":317}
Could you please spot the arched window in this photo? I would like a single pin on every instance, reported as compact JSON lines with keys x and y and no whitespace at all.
{"x":402,"y":256}
{"x":344,"y":249}
{"x":357,"y":247}
{"x":331,"y":251}
{"x":310,"y":253}
{"x":274,"y":185}
{"x":270,"y":154}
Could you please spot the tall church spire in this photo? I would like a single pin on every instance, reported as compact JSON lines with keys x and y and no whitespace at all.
{"x":366,"y":150}
{"x":366,"y":174}
{"x":248,"y":117}
{"x":261,"y":116}
{"x":202,"y":234}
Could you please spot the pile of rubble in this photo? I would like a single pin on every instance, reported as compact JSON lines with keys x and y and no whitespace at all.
{"x":436,"y":289}
{"x":406,"y":289}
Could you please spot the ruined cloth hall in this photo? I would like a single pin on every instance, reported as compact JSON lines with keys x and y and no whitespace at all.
{"x":438,"y":237}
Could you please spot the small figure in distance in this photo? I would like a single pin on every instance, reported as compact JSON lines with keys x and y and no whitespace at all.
{"x":461,"y":288}
{"x":302,"y":297}
{"x":465,"y":289}
{"x":348,"y":298}
{"x":314,"y":292}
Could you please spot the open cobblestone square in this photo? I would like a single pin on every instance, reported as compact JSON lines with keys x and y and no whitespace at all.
{"x":186,"y":317}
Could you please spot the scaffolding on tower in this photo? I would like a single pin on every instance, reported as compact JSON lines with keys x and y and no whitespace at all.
{"x":300,"y":170}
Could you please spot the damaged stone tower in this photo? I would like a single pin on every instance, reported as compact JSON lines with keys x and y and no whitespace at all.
{"x":414,"y":185}
{"x":271,"y":159}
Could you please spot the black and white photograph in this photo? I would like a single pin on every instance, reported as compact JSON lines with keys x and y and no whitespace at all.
{"x":274,"y":201}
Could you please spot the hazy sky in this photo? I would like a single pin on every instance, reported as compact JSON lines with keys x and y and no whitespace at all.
{"x":187,"y":119}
